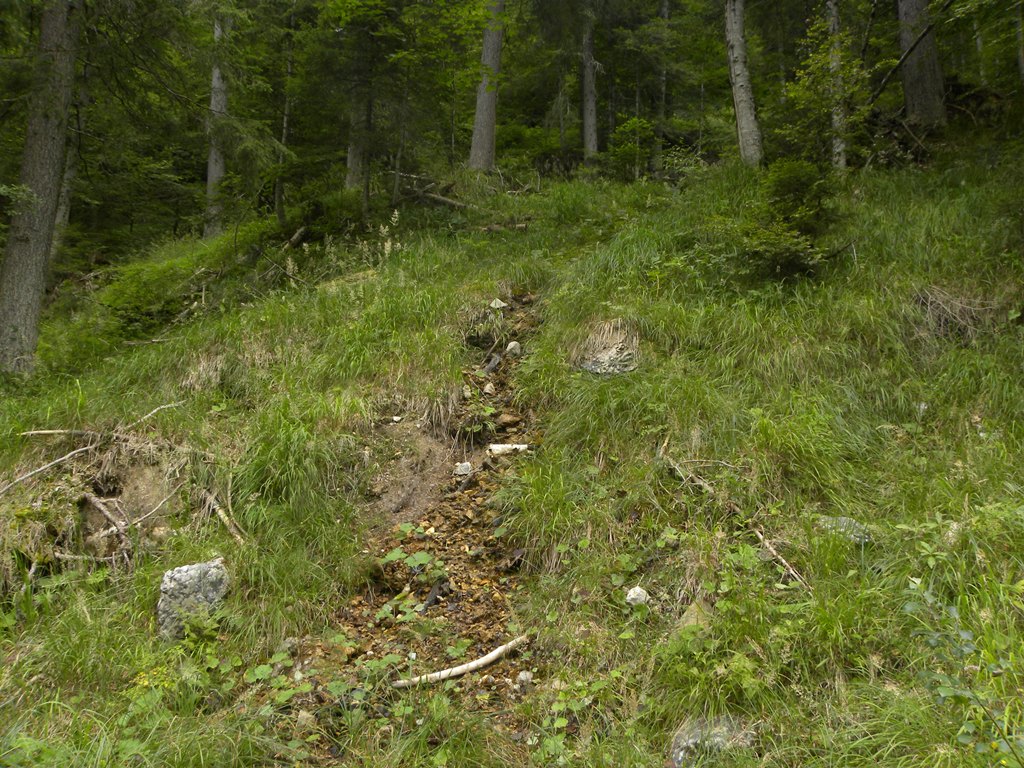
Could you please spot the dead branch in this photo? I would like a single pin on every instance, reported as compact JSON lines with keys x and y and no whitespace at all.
{"x":785,"y":564}
{"x":153,"y":413}
{"x":45,"y":467}
{"x":113,"y":529}
{"x":295,"y":239}
{"x":83,"y":558}
{"x":287,"y":274}
{"x":906,"y":55}
{"x":211,"y":503}
{"x":517,"y":227}
{"x":118,"y":525}
{"x":68,"y":432}
{"x":472,"y":666}
{"x":449,"y":201}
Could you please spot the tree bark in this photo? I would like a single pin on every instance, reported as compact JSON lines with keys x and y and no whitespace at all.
{"x":279,"y":209}
{"x":358,"y":138}
{"x":659,"y":129}
{"x":921,"y":73}
{"x":589,"y":91}
{"x":1020,"y":41}
{"x":482,"y":151}
{"x":63,"y":212}
{"x":838,"y":88}
{"x":979,"y":45}
{"x":216,"y":165}
{"x":29,"y":239}
{"x":747,"y":128}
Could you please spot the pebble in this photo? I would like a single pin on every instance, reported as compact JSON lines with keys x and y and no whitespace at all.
{"x":514,"y":349}
{"x":463,"y":469}
{"x":525,"y":678}
{"x":637,"y":596}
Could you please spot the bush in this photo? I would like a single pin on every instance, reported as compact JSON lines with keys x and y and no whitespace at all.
{"x":800,"y":194}
{"x":777,"y":251}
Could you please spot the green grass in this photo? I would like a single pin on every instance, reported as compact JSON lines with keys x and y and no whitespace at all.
{"x":829,"y":394}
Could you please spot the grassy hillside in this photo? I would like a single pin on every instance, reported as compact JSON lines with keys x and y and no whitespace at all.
{"x":878,"y":379}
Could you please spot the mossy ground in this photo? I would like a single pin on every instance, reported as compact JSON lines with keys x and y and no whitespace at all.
{"x":836,"y":393}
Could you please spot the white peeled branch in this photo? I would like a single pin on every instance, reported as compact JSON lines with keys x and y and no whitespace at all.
{"x":503,"y":449}
{"x":463,"y":669}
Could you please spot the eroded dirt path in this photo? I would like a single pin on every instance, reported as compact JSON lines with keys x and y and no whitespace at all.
{"x":448,"y":579}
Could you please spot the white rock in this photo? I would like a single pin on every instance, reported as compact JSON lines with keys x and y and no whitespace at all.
{"x":514,"y":349}
{"x":463,"y":469}
{"x":525,"y":677}
{"x":503,"y":449}
{"x":396,"y":419}
{"x":637,"y":596}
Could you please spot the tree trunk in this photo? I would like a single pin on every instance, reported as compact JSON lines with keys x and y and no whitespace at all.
{"x":63,"y":213}
{"x":481,"y":153}
{"x":923,"y":88}
{"x":659,"y":129}
{"x":979,"y":45}
{"x":358,"y":138}
{"x":589,"y":92}
{"x":279,"y":209}
{"x":1020,"y":41}
{"x":215,"y":163}
{"x":27,"y":254}
{"x":747,"y":129}
{"x":838,"y":88}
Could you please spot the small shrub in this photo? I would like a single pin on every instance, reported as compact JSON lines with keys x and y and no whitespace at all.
{"x":799,"y":194}
{"x":777,"y":251}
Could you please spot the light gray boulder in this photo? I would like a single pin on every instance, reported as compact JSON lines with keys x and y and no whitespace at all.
{"x":698,"y":738}
{"x":847,"y":528}
{"x":191,"y":590}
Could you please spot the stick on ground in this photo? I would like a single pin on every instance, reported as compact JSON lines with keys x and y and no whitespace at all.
{"x":43,"y":468}
{"x":472,"y":666}
{"x":785,"y":564}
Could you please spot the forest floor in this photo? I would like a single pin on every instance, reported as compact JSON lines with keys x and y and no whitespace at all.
{"x":806,"y":456}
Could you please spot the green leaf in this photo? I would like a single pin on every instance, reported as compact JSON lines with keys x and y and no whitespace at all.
{"x":419,"y":559}
{"x":262,"y":672}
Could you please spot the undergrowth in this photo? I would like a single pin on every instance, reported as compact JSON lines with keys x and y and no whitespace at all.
{"x":767,"y":401}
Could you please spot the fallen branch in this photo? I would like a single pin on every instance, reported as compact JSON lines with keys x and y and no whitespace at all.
{"x":153,"y":413}
{"x":118,"y":525}
{"x":517,"y":227}
{"x":83,"y":558}
{"x":295,"y":239}
{"x":211,"y":503}
{"x":68,"y":432}
{"x":43,"y":468}
{"x":472,"y":666}
{"x":785,"y":564}
{"x":449,"y":202}
{"x":288,"y":274}
{"x":112,"y":530}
